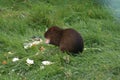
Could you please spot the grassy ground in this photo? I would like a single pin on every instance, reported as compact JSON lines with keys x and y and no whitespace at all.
{"x":22,"y":19}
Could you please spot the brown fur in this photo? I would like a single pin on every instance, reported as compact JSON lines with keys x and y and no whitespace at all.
{"x":68,"y":40}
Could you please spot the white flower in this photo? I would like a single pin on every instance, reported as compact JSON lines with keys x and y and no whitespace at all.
{"x":15,"y":59}
{"x":42,"y":67}
{"x":10,"y":52}
{"x":13,"y":70}
{"x":85,"y":48}
{"x":29,"y":61}
{"x":47,"y":62}
{"x":27,"y":45}
{"x":37,"y":53}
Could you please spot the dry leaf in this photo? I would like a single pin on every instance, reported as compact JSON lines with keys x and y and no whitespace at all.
{"x":4,"y":62}
{"x":41,"y":48}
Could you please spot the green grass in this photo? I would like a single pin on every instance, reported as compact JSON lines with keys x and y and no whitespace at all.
{"x":22,"y":19}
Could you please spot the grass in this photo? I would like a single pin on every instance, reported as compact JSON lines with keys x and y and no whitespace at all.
{"x":22,"y":19}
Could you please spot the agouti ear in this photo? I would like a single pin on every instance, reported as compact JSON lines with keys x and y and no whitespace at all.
{"x":53,"y":29}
